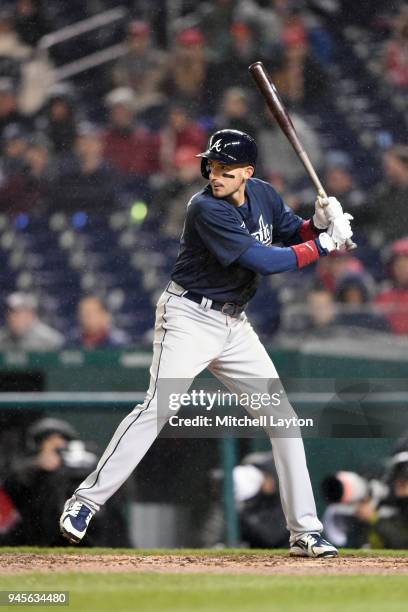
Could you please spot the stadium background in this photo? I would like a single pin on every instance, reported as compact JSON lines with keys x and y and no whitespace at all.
{"x":103,"y":106}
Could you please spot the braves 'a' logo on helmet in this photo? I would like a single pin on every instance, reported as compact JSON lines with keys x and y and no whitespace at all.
{"x":216,"y":145}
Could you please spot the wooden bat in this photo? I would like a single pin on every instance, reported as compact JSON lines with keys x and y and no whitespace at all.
{"x":278,"y":110}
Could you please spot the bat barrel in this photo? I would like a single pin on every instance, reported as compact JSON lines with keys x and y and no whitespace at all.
{"x":278,"y":110}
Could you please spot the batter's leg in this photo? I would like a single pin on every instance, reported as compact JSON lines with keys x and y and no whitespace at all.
{"x":184,"y":344}
{"x":245,"y":358}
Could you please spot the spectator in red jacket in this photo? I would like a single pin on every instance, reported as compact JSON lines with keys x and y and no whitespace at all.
{"x":393,"y":301}
{"x":133,"y":151}
{"x":179,"y":131}
{"x":395,"y":54}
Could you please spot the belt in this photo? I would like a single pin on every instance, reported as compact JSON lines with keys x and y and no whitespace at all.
{"x":227,"y":308}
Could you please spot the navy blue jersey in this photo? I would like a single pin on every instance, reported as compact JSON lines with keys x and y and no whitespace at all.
{"x":216,"y":233}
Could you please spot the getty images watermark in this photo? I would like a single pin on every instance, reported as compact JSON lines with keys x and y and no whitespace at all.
{"x":214,"y":412}
{"x":223,"y":399}
{"x":306,"y":407}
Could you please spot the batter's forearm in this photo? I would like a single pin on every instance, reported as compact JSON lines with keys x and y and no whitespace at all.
{"x":272,"y":260}
{"x":268,"y":260}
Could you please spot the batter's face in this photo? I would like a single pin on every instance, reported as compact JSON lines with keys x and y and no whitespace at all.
{"x":228,"y":179}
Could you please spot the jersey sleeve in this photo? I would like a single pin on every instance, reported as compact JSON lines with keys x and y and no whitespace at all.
{"x":221,"y":232}
{"x":287,"y":224}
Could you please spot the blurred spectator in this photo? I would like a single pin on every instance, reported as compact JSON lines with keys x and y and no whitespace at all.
{"x":35,"y":485}
{"x":39,"y":483}
{"x":215,"y":19}
{"x":168,"y":207}
{"x":393,"y":301}
{"x":58,"y":122}
{"x":235,"y":112}
{"x":289,"y":196}
{"x":191,"y":77}
{"x":14,"y":147}
{"x":267,"y":17}
{"x":142,"y":68}
{"x":339,"y":182}
{"x":353,"y":293}
{"x":96,"y":330}
{"x":299,"y":79}
{"x":37,"y":77}
{"x":178,"y":132}
{"x":321,"y":310}
{"x":276,"y":155}
{"x":389,"y":522}
{"x":396,"y":51}
{"x":24,"y":330}
{"x":257,"y":501}
{"x":244,"y":45}
{"x":30,"y":21}
{"x":38,"y":176}
{"x":351,"y":496}
{"x":314,"y":318}
{"x":28,"y":174}
{"x":86,"y":182}
{"x":31,"y":73}
{"x":261,"y":520}
{"x":387,"y":212}
{"x":10,"y":44}
{"x":11,"y":68}
{"x":330,"y":270}
{"x":9,"y":112}
{"x":240,"y":53}
{"x":133,"y":151}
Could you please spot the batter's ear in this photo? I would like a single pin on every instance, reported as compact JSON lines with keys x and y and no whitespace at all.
{"x":249,"y":171}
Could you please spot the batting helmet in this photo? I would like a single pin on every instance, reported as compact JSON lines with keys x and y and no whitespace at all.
{"x":229,"y":147}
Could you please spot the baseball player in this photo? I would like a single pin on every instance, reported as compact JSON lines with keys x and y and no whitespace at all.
{"x":227,"y":244}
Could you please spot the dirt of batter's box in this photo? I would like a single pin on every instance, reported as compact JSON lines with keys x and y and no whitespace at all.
{"x":14,"y":563}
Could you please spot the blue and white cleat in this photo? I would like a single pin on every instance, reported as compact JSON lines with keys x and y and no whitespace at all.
{"x":74,"y":520}
{"x":312,"y":545}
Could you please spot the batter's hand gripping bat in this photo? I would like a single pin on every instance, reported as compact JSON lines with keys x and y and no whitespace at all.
{"x":278,"y":110}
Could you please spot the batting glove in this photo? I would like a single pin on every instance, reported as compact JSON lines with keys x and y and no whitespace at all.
{"x":337,"y":233}
{"x":326,"y":210}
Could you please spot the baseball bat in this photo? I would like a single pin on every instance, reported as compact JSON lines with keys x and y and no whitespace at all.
{"x":278,"y":110}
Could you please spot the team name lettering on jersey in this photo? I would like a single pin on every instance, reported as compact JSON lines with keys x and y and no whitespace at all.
{"x":264,"y":234}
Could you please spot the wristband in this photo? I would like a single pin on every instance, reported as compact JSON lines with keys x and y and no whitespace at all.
{"x":306,"y":253}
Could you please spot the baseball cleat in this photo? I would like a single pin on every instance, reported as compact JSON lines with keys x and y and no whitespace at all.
{"x":74,"y":520}
{"x":312,"y":545}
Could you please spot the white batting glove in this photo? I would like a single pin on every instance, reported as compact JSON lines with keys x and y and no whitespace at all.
{"x":326,"y":210}
{"x":337,"y":233}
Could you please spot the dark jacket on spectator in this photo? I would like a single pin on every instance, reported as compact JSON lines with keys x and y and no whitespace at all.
{"x":75,"y":190}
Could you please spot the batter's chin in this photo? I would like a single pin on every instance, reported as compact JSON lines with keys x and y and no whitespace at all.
{"x":218,"y":192}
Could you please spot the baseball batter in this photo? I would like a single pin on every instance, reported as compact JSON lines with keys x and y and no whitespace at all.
{"x":226,"y":245}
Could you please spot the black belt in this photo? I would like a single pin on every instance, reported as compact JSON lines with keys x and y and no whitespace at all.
{"x":227,"y":308}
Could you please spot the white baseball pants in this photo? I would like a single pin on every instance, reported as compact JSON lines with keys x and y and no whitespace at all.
{"x":188,"y":338}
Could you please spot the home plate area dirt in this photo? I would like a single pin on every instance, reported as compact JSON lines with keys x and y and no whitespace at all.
{"x":15,"y":563}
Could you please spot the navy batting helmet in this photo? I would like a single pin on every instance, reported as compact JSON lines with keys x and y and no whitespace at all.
{"x":229,"y":147}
